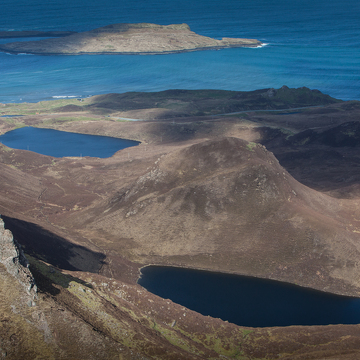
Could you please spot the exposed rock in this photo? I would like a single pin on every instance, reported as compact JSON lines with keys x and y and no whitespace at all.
{"x":270,"y":93}
{"x":12,"y":256}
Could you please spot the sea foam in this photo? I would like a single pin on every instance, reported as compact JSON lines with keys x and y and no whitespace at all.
{"x":64,"y":96}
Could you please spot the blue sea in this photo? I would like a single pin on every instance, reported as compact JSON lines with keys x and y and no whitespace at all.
{"x":309,"y":43}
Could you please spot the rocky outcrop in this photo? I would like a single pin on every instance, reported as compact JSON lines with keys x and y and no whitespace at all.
{"x":13,"y":258}
{"x":128,"y":39}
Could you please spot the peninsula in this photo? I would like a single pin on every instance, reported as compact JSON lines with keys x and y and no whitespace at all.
{"x":128,"y":39}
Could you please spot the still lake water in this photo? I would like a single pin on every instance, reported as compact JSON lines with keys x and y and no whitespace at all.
{"x":249,"y":301}
{"x":60,"y":143}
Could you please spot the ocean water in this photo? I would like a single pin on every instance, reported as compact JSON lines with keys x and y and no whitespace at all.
{"x":309,"y":43}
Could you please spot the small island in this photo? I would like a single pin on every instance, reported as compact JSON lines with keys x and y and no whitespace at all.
{"x":128,"y":39}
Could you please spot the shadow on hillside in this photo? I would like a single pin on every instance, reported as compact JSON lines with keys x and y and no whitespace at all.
{"x":46,"y":278}
{"x":53,"y":249}
{"x":177,"y":130}
{"x":323,"y":160}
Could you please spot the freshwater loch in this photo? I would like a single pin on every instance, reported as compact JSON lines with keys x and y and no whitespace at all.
{"x":249,"y":301}
{"x":60,"y":143}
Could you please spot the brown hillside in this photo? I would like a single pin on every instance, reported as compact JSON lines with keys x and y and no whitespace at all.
{"x":228,"y":205}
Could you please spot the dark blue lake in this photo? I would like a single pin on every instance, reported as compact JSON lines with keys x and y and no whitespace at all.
{"x":249,"y":301}
{"x":60,"y":143}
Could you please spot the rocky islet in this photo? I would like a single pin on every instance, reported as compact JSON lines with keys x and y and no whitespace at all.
{"x":143,"y":38}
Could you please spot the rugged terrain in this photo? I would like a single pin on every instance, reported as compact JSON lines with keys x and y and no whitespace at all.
{"x":127,"y":39}
{"x":202,"y":190}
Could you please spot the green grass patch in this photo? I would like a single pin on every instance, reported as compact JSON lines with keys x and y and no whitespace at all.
{"x":350,"y":133}
{"x":6,"y":148}
{"x":304,"y":141}
{"x":286,"y":132}
{"x":53,"y":275}
{"x":246,"y":332}
{"x":172,"y":336}
{"x":39,"y":107}
{"x":250,"y":146}
{"x":229,"y":347}
{"x":75,"y":118}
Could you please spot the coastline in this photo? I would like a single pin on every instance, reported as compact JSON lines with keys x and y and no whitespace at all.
{"x":167,"y":52}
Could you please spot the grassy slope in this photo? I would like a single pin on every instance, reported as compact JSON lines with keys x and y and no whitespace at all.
{"x":85,"y":316}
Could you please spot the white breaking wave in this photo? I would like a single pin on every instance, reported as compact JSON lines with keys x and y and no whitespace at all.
{"x":65,"y":96}
{"x":18,"y":54}
{"x":260,"y":46}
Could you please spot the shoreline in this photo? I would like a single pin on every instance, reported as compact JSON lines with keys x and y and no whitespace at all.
{"x":167,"y":52}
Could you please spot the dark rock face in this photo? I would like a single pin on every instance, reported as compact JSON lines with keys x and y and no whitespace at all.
{"x":12,"y":256}
{"x":54,"y":249}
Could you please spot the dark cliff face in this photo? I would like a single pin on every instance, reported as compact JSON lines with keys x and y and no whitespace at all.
{"x":54,"y":249}
{"x":12,"y":256}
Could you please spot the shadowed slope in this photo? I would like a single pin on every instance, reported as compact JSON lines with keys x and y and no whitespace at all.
{"x":53,"y":249}
{"x":326,"y":159}
{"x":174,"y":103}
